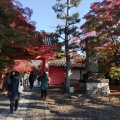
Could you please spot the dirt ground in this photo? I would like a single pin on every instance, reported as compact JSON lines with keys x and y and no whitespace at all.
{"x":83,"y":107}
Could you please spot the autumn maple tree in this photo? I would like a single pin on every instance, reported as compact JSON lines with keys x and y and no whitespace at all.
{"x":23,"y":65}
{"x":102,"y":31}
{"x":16,"y":30}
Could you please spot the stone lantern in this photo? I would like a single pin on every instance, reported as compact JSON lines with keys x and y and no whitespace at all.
{"x":96,"y":84}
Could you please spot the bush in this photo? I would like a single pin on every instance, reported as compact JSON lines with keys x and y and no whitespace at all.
{"x":115,"y":72}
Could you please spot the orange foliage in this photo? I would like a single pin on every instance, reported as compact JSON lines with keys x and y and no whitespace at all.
{"x":22,"y":66}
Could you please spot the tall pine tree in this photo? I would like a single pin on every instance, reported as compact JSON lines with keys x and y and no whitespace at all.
{"x":68,"y":29}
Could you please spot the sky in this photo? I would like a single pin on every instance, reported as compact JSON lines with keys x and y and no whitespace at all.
{"x":45,"y":17}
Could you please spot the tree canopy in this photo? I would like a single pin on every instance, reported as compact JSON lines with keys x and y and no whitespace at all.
{"x":103,"y":20}
{"x":68,"y":29}
{"x":102,"y":30}
{"x":16,"y":29}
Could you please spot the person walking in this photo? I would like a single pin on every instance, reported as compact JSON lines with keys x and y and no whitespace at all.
{"x":39,"y":79}
{"x":32,"y":78}
{"x":44,"y":85}
{"x":14,"y":94}
{"x":25,"y":78}
{"x":8,"y":83}
{"x":5,"y":83}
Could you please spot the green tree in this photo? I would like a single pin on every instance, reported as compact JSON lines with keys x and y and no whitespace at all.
{"x":115,"y":72}
{"x":69,"y":29}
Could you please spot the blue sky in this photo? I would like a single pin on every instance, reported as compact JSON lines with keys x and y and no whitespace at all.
{"x":45,"y":17}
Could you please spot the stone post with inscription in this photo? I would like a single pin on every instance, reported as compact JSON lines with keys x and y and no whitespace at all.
{"x":96,"y":83}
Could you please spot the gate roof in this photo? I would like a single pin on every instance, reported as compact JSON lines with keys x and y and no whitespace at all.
{"x":62,"y":63}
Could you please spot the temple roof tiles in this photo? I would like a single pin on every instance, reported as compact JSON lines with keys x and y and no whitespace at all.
{"x":62,"y":63}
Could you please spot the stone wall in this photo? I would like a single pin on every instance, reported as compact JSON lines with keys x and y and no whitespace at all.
{"x":98,"y":87}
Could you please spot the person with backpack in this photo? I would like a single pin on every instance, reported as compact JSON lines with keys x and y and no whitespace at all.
{"x":44,"y":85}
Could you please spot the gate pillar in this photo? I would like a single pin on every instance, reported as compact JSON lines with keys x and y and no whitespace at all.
{"x":44,"y":65}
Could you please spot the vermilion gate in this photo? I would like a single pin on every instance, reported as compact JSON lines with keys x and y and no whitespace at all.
{"x":43,"y":51}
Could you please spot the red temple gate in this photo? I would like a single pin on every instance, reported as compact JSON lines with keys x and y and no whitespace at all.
{"x":43,"y":51}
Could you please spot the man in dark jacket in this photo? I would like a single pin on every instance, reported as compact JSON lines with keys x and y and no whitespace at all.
{"x":14,"y":94}
{"x":31,"y":80}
